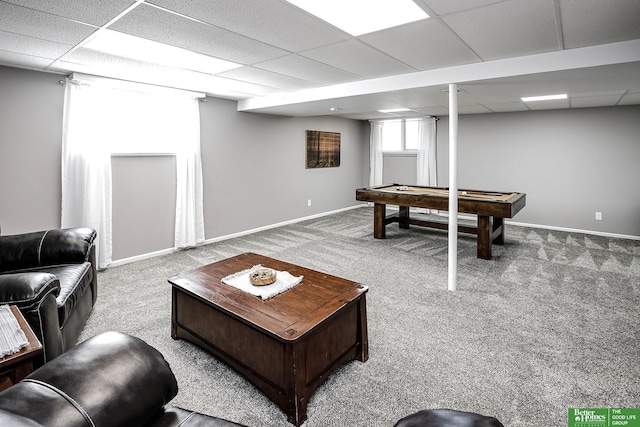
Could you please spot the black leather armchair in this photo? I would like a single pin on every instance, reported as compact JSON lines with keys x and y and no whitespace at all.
{"x":112,"y":379}
{"x":51,"y":277}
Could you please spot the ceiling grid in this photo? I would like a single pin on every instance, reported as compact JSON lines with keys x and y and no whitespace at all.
{"x":292,"y":63}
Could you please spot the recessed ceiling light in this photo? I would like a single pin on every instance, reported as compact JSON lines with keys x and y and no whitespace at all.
{"x":358,"y":17}
{"x":544,"y":97}
{"x":394,"y":110}
{"x":127,"y":46}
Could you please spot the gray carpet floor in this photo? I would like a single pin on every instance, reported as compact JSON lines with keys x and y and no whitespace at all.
{"x":551,"y":323}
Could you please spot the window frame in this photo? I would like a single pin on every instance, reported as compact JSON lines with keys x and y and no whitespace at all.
{"x":403,"y":139}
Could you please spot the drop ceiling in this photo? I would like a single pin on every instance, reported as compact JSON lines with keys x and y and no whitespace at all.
{"x":294,"y":64}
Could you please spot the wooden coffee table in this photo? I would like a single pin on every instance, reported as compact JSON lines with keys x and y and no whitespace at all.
{"x":286,"y":345}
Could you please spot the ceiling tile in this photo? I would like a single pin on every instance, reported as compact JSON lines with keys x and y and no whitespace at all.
{"x":508,"y":29}
{"x":358,"y":58}
{"x":506,"y":107}
{"x":265,"y":77}
{"x":26,"y":61}
{"x":590,"y":22}
{"x":444,"y":7}
{"x":423,"y":45}
{"x":595,"y":101}
{"x":101,"y":64}
{"x":17,"y":43}
{"x":435,"y":110}
{"x":108,"y":62}
{"x":274,"y":22}
{"x":473,"y":109}
{"x":370,"y":115}
{"x":95,"y":12}
{"x":632,"y":98}
{"x":20,"y":20}
{"x":307,"y":69}
{"x":165,"y":27}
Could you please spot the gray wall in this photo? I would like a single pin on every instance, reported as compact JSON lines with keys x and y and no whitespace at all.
{"x":144,"y":204}
{"x":253,"y":167}
{"x":571,"y":163}
{"x":30,"y":150}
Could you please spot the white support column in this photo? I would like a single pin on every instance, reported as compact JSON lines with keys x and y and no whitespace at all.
{"x":453,"y":185}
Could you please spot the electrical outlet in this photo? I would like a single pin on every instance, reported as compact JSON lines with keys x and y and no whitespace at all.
{"x":598,"y":216}
{"x":309,"y":202}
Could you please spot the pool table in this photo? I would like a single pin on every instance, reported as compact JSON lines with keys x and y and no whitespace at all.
{"x":491,"y":207}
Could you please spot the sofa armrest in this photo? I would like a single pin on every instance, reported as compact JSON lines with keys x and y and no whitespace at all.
{"x":50,"y":247}
{"x":27,"y":289}
{"x":112,"y":379}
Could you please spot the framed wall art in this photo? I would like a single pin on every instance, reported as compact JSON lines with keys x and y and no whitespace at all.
{"x":323,"y":149}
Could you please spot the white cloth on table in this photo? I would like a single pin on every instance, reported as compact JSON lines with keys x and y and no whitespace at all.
{"x":284,"y":281}
{"x":12,"y":337}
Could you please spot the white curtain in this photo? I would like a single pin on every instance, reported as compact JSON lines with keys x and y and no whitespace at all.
{"x":426,"y":161}
{"x":189,"y":197}
{"x":427,"y":171}
{"x":86,"y":167}
{"x":102,"y":118}
{"x":375,"y":153}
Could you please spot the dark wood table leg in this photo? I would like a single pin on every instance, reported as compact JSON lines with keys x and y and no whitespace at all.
{"x":484,"y":237}
{"x":498,"y":223}
{"x":294,"y":387}
{"x":174,"y":313}
{"x":362,"y":353}
{"x":379,"y":214}
{"x":403,"y":217}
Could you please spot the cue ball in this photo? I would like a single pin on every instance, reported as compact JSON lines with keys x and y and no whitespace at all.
{"x":464,"y":193}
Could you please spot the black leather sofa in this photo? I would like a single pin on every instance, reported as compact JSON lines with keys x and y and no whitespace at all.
{"x":51,"y":277}
{"x":112,"y":379}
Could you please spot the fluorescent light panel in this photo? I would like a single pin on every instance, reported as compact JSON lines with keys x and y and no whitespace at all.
{"x":358,"y":17}
{"x":127,"y":46}
{"x":544,"y":97}
{"x":394,"y":110}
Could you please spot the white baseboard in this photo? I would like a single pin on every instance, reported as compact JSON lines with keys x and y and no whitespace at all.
{"x":279,"y":224}
{"x":575,"y":230}
{"x":231,"y":236}
{"x":319,"y":215}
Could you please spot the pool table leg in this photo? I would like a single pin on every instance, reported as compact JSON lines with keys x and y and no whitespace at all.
{"x":484,"y":237}
{"x":403,"y":216}
{"x":379,"y":224}
{"x":498,"y":223}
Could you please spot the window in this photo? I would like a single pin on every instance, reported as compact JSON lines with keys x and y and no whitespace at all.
{"x":400,"y":135}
